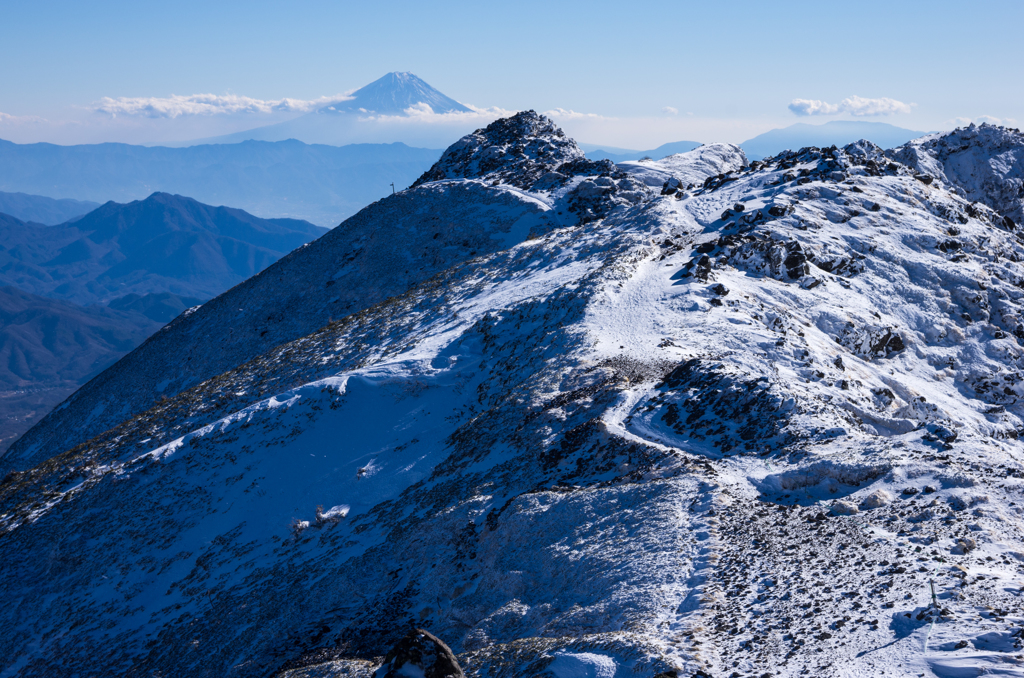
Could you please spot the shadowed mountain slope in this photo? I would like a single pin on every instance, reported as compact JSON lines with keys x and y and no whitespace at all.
{"x":49,"y":348}
{"x":165,"y":243}
{"x":388,"y":248}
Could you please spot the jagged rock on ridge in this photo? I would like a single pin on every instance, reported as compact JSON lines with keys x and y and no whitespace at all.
{"x":420,"y":654}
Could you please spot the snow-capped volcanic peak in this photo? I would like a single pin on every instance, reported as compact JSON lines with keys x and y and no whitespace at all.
{"x":395,"y":94}
{"x":985,"y":164}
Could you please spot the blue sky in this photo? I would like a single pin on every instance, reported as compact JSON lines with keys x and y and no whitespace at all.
{"x":634,"y":74}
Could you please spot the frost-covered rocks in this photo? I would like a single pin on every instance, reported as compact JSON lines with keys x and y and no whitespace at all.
{"x":876,"y":499}
{"x":844,"y":508}
{"x":611,"y":446}
{"x":420,"y":654}
{"x":528,"y":151}
{"x":516,"y":150}
{"x":984,"y":163}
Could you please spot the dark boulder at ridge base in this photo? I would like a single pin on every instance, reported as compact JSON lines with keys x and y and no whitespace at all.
{"x":163,"y":244}
{"x":420,"y":653}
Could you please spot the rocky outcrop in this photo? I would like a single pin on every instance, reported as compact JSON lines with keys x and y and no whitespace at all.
{"x":420,"y":654}
{"x":983,"y":163}
{"x":516,"y":151}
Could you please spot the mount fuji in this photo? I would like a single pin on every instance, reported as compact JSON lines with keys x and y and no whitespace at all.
{"x":396,"y":107}
{"x":691,"y":417}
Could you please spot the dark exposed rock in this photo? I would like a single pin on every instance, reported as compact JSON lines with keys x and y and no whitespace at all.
{"x":423,"y":652}
{"x":872,"y":342}
{"x":783,"y":260}
{"x":704,"y":401}
{"x":518,"y":150}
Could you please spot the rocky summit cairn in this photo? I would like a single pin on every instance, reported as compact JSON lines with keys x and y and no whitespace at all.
{"x":420,"y":653}
{"x":515,"y":150}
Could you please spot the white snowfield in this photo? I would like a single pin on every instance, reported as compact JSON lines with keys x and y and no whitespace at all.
{"x":690,"y":168}
{"x":742,"y":424}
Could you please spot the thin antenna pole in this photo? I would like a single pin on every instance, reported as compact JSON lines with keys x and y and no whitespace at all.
{"x":392,"y":188}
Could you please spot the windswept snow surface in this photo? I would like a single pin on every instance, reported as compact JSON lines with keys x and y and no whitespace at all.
{"x":692,"y":167}
{"x":736,"y":429}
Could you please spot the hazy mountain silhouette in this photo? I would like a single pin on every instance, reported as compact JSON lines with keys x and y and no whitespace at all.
{"x":165,"y":243}
{"x":595,"y":152}
{"x":834,"y":133}
{"x":321,"y":184}
{"x":99,"y":285}
{"x":43,"y":210}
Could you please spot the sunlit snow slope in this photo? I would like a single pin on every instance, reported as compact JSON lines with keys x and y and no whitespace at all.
{"x":734,"y":425}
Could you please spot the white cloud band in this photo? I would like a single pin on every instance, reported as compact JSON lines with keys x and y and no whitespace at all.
{"x":855,"y":105}
{"x":205,"y":104}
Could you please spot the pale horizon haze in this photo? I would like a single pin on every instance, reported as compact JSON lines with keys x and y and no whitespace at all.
{"x":633,"y":76}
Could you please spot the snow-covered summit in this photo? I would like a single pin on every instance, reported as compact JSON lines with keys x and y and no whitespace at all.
{"x":691,"y":168}
{"x":515,"y":150}
{"x":985,"y":163}
{"x":528,"y":151}
{"x":766,"y":424}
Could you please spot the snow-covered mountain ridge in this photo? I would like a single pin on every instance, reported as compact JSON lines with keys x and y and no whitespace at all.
{"x":729,"y":427}
{"x":383,"y":251}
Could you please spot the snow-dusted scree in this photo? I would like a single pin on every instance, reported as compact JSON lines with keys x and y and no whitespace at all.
{"x":691,"y":417}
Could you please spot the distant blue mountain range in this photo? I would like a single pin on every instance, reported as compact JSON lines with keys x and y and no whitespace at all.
{"x":320,"y":184}
{"x":595,"y":152}
{"x":77,"y":296}
{"x":163,"y":244}
{"x":42,"y":210}
{"x":836,"y":132}
{"x":794,"y":137}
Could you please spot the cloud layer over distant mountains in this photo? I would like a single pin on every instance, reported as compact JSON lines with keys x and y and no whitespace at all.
{"x":206,"y":104}
{"x":855,"y":105}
